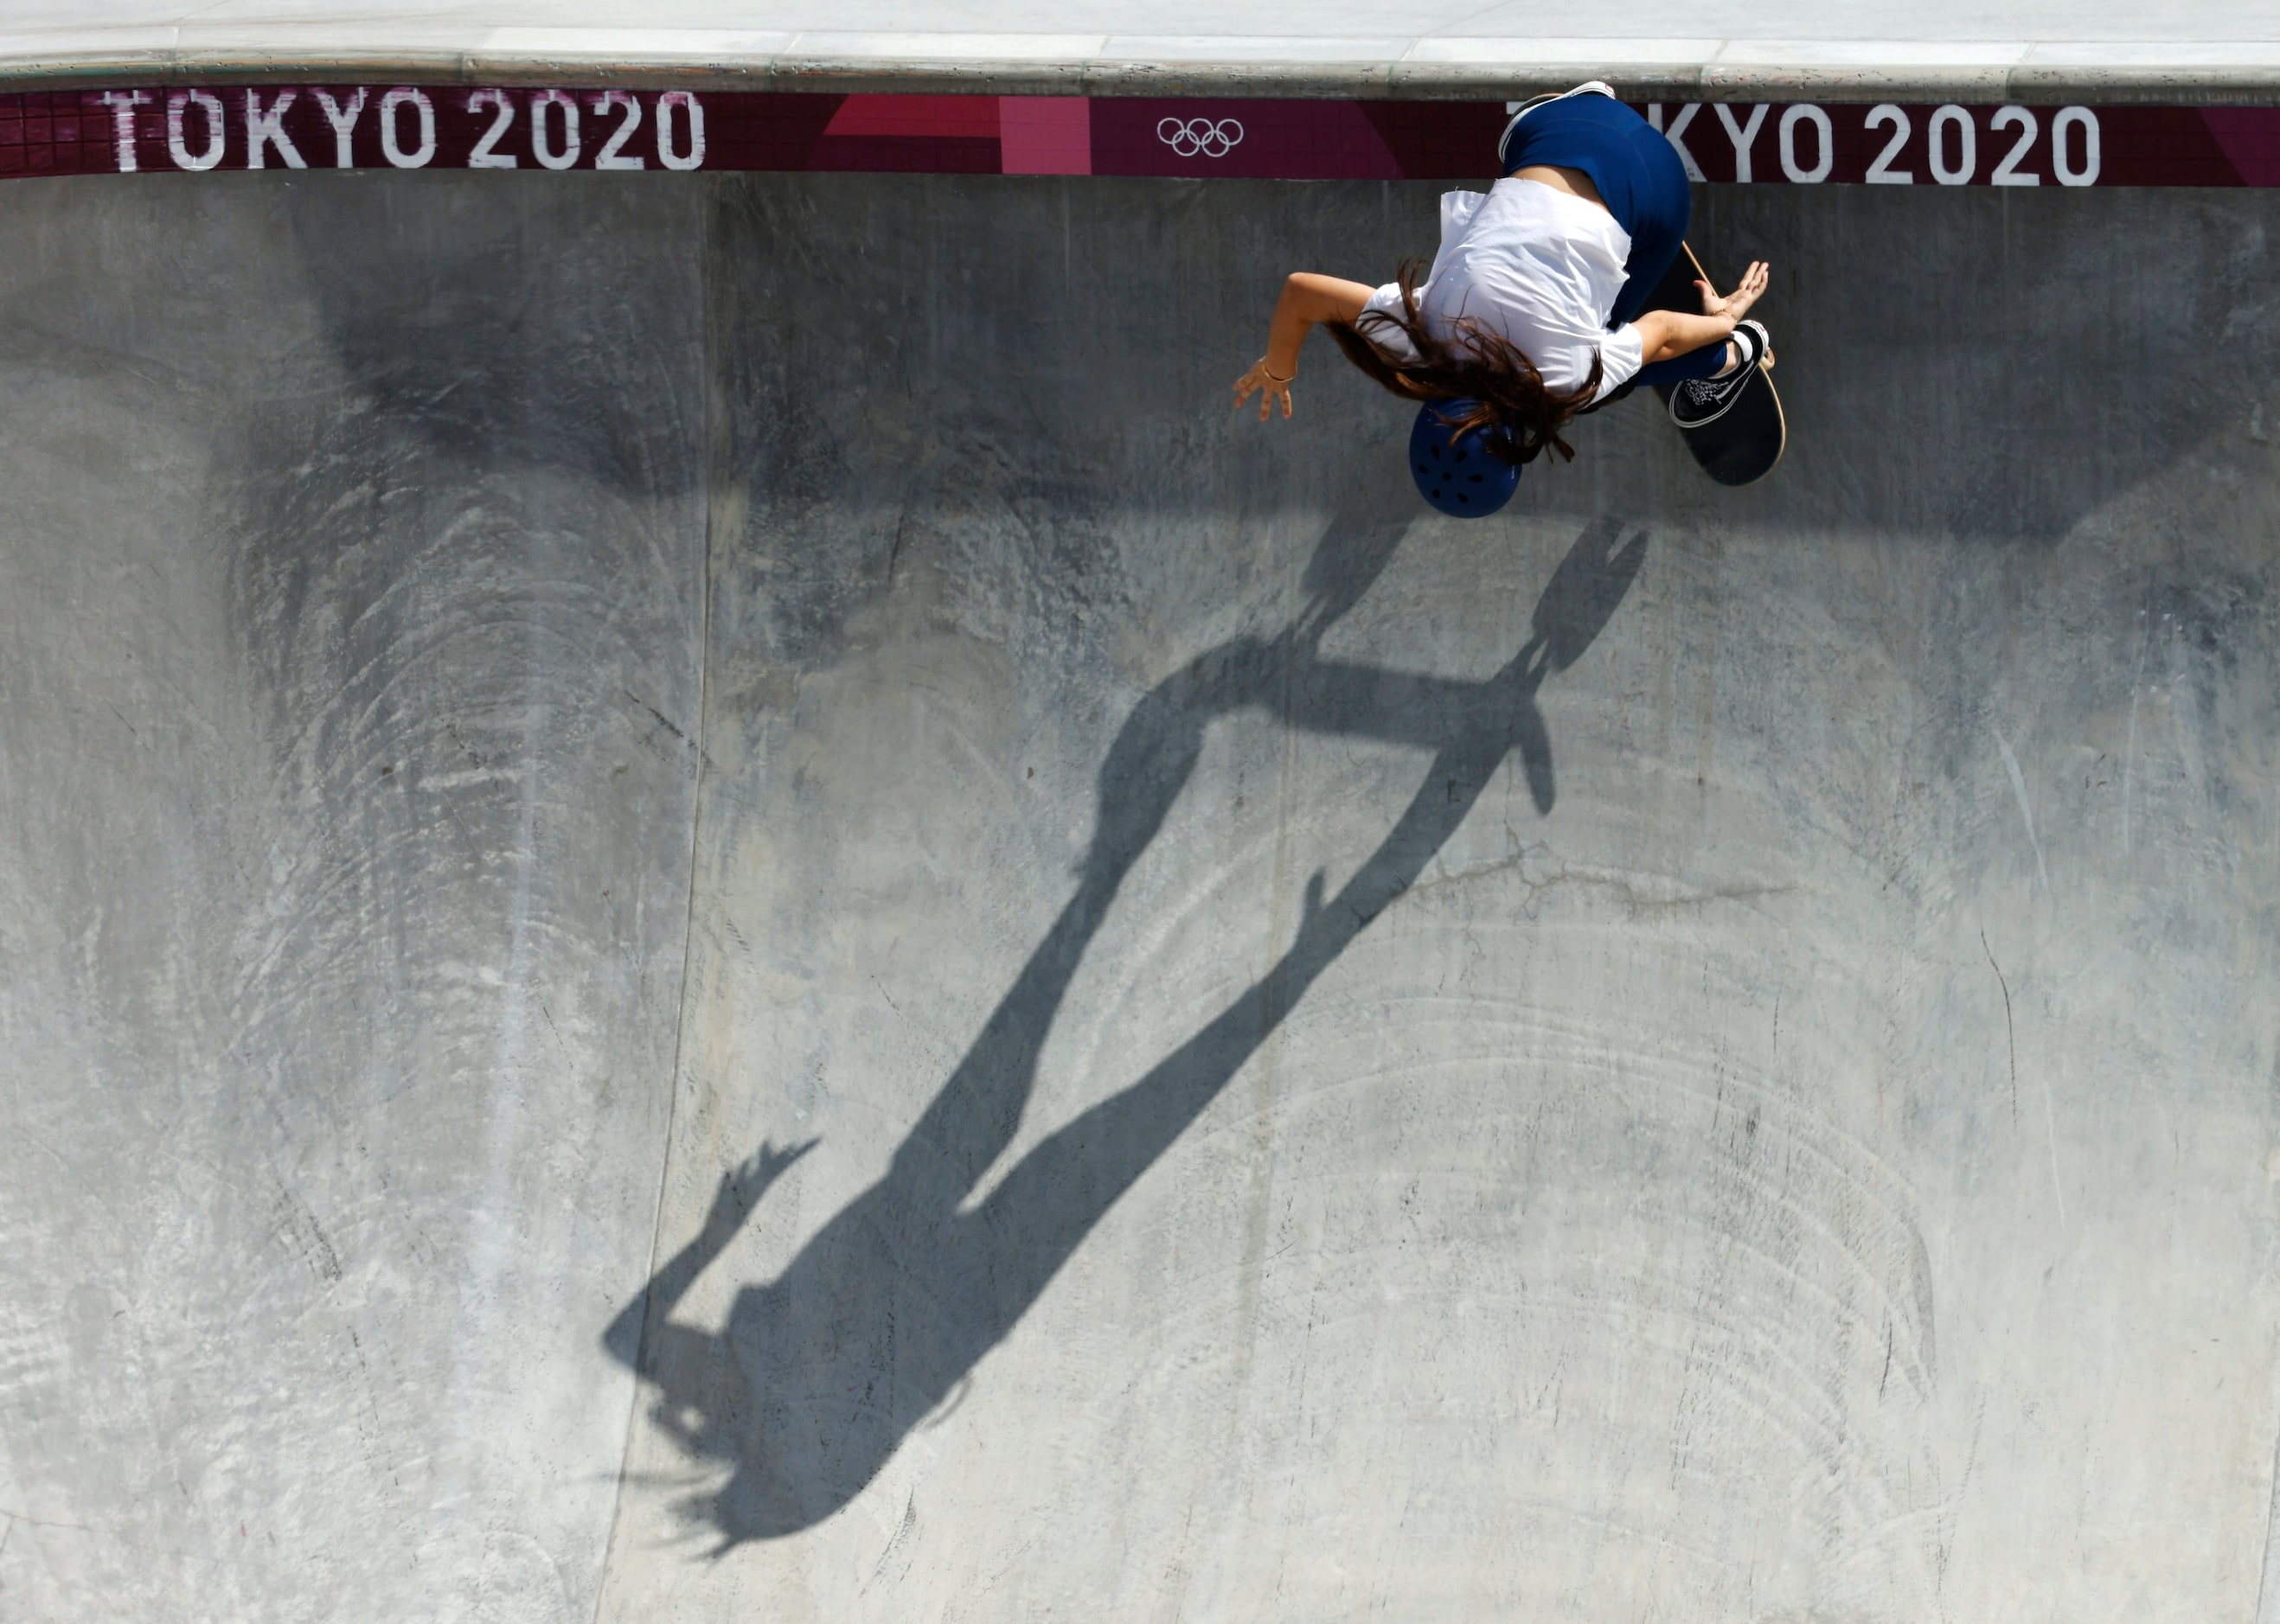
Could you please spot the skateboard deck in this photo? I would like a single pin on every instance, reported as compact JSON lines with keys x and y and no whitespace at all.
{"x":1742,"y":444}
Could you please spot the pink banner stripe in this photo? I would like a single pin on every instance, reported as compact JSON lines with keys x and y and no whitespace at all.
{"x":1045,"y":135}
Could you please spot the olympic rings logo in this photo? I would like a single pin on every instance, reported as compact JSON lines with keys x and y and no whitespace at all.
{"x":1199,"y":137}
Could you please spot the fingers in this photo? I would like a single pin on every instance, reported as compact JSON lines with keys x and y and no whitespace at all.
{"x":1747,"y":291}
{"x":1269,"y":391}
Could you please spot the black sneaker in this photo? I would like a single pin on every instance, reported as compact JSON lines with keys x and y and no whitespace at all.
{"x":1705,"y":400}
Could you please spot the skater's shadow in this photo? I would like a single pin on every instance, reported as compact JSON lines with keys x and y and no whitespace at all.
{"x":822,"y":1371}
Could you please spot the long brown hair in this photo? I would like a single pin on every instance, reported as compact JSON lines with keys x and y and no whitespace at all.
{"x":1519,"y":414}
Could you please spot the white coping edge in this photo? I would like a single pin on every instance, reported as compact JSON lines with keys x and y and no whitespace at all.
{"x":1439,"y":68}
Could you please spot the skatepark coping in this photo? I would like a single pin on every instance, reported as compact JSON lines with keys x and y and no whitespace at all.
{"x":2004,"y":51}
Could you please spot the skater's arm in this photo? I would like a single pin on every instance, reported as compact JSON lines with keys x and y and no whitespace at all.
{"x":1307,"y":299}
{"x":740,"y":1190}
{"x":1666,"y":335}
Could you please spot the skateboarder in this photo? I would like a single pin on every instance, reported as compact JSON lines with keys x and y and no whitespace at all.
{"x":1536,"y":304}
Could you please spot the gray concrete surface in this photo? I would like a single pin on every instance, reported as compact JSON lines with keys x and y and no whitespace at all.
{"x":714,"y":907}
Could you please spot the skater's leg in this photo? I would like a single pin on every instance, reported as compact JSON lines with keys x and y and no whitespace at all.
{"x":1642,"y":276}
{"x":1506,"y":164}
{"x":1750,"y":344}
{"x":1660,"y":208}
{"x":1634,"y":168}
{"x":1708,"y":362}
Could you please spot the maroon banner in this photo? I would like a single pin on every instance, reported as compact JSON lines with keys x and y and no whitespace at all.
{"x":410,"y":126}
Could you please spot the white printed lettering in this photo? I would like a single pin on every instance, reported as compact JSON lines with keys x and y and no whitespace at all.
{"x":611,"y":155}
{"x":1951,"y":117}
{"x":1881,"y":173}
{"x":342,"y":118}
{"x":541,"y":148}
{"x":122,"y":105}
{"x":2086,"y":121}
{"x":391,"y":130}
{"x":1807,"y":113}
{"x":178,"y":107}
{"x":1673,"y":137}
{"x":264,"y":130}
{"x":1742,"y":134}
{"x":2006,"y":172}
{"x":486,"y":154}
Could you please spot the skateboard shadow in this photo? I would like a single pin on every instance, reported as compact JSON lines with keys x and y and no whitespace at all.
{"x":822,"y":1371}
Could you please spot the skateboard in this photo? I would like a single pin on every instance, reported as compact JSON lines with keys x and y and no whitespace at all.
{"x":1742,"y":444}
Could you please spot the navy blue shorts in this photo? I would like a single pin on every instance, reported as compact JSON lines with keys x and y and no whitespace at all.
{"x":1637,"y":172}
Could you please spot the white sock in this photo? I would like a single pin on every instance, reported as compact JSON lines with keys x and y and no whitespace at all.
{"x":1735,"y":350}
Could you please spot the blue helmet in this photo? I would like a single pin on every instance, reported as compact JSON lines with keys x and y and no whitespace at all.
{"x":1454,"y":472}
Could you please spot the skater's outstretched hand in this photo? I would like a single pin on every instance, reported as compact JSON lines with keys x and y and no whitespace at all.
{"x":1307,"y":299}
{"x":1261,"y":382}
{"x":1734,"y":305}
{"x":740,"y":1190}
{"x":741,"y":1186}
